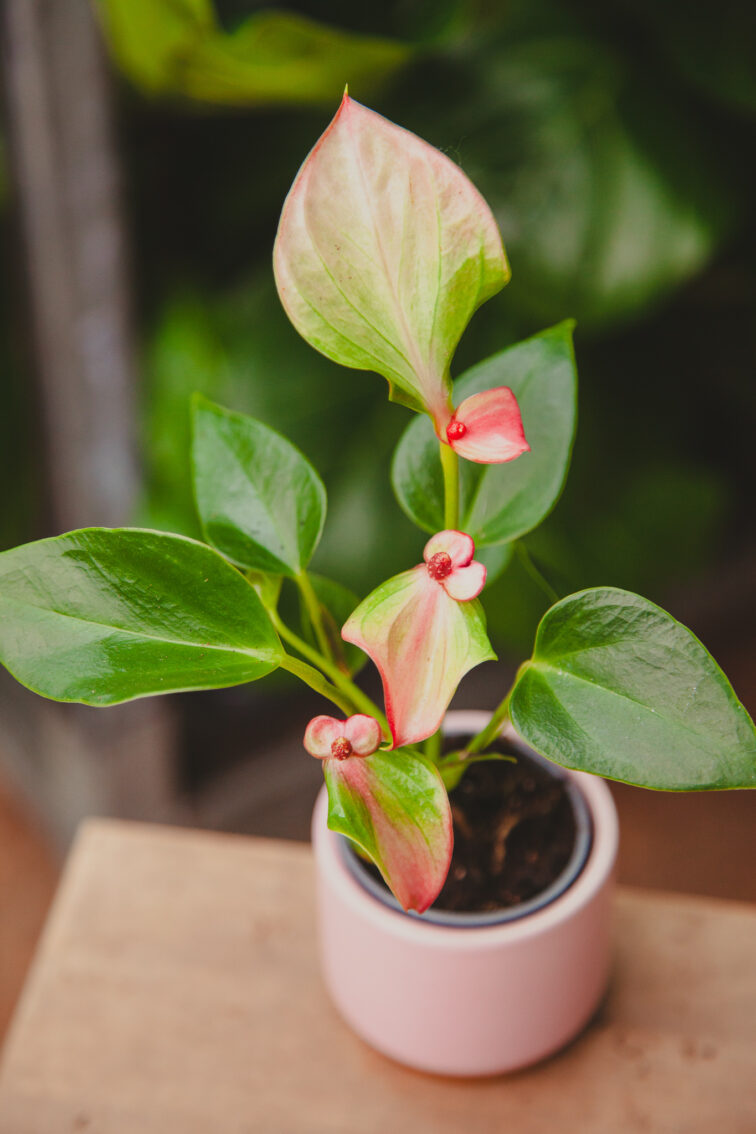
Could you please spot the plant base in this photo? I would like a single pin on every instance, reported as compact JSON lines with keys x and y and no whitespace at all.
{"x":461,"y":1000}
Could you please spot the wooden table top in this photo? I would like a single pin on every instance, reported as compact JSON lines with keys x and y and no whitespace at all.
{"x":176,"y":991}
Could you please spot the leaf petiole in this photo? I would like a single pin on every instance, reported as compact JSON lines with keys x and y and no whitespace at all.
{"x":454,"y":766}
{"x":317,"y":682}
{"x":314,"y":609}
{"x":359,"y":701}
{"x":499,"y":718}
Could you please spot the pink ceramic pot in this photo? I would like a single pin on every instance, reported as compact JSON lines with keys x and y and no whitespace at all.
{"x":468,"y":1000}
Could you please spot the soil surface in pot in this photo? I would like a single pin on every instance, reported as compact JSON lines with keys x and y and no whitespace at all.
{"x":514,"y":831}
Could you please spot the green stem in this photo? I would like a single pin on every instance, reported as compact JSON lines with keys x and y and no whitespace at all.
{"x":487,"y":735}
{"x":498,"y":719}
{"x":454,"y":759}
{"x":538,"y":578}
{"x":300,"y":645}
{"x":344,"y":684}
{"x":450,"y":467}
{"x":316,"y":681}
{"x":312,"y":602}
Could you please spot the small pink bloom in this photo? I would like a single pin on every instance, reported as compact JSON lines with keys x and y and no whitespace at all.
{"x":326,"y":738}
{"x":395,"y":807}
{"x":449,"y":560}
{"x":487,"y":428}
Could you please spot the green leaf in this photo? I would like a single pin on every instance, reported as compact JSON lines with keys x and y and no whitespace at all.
{"x":617,"y":687}
{"x":495,"y":560}
{"x":498,"y":503}
{"x":268,"y":587}
{"x":259,"y":499}
{"x":104,"y":615}
{"x":338,"y":603}
{"x":282,"y":58}
{"x":177,"y":47}
{"x":148,"y":38}
{"x":395,"y":808}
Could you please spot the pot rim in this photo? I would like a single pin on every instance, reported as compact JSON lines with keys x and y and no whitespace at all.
{"x":598,"y":866}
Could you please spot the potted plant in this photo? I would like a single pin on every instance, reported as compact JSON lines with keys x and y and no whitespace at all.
{"x":384,"y":252}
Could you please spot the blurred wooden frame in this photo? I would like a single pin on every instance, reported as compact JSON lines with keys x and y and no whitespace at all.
{"x":63,"y":161}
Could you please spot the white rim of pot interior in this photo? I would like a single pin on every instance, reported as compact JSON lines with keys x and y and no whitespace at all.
{"x":597,"y":869}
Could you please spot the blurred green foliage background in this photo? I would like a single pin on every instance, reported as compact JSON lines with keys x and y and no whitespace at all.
{"x":615,"y":145}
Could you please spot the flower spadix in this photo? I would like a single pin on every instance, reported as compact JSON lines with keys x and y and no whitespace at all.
{"x":393,"y":805}
{"x":424,"y":630}
{"x":384,"y":251}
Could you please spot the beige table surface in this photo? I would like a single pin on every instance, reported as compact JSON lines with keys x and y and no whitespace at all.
{"x":176,"y":991}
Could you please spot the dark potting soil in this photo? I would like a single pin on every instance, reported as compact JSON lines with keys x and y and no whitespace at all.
{"x":514,"y":831}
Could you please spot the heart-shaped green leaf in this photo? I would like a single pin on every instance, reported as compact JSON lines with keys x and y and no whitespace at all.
{"x":104,"y":615}
{"x":498,"y":503}
{"x":617,"y":687}
{"x":394,"y":806}
{"x":259,"y":499}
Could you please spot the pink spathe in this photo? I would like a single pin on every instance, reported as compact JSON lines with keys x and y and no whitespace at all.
{"x":469,"y":1001}
{"x":487,"y":428}
{"x":424,"y":631}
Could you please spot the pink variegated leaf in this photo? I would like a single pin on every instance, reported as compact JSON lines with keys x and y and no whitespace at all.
{"x":384,"y":251}
{"x":394,"y":806}
{"x":423,"y":642}
{"x":487,"y":428}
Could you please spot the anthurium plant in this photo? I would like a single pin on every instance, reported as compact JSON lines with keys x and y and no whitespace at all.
{"x":384,"y":251}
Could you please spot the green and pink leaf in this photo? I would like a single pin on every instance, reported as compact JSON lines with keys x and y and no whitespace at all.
{"x":424,"y":630}
{"x":384,"y":251}
{"x":394,"y":806}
